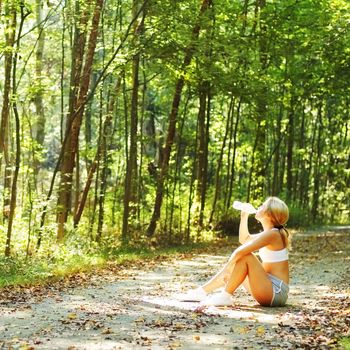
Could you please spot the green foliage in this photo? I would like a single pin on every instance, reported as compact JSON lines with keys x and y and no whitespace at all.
{"x":58,"y":261}
{"x":298,"y":217}
{"x":281,"y":71}
{"x":345,"y":343}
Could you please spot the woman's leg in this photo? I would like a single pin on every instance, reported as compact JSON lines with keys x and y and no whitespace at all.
{"x":218,"y":280}
{"x":259,"y":283}
{"x":200,"y":293}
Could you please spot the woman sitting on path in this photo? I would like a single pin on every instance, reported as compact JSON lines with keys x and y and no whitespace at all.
{"x":267,"y":281}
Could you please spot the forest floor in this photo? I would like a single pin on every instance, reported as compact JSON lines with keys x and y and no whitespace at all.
{"x":133,"y":308}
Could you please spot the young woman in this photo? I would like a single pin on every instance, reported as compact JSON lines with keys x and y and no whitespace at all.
{"x":267,"y":281}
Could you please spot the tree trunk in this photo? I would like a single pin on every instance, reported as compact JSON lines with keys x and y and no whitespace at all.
{"x":108,"y":131}
{"x":290,"y":142}
{"x":228,"y":163}
{"x":39,"y":125}
{"x":192,"y":188}
{"x":302,"y":174}
{"x":82,"y":201}
{"x":316,"y":177}
{"x":82,"y":81}
{"x":201,"y":154}
{"x":103,"y":178}
{"x":256,"y":188}
{"x":172,"y":125}
{"x":18,"y":136}
{"x":10,"y":32}
{"x":219,"y":165}
{"x":205,"y":170}
{"x":276,"y":186}
{"x":235,"y":134}
{"x":177,"y":172}
{"x":306,"y":202}
{"x":130,"y":186}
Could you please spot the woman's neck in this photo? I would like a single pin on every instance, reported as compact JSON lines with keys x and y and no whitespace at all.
{"x":266,"y":224}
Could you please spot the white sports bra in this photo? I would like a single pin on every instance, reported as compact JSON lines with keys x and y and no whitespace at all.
{"x":271,"y":256}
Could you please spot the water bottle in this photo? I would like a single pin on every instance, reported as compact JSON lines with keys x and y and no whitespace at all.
{"x":246,"y":207}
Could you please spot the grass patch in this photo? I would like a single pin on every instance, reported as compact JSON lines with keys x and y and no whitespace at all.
{"x":62,"y":263}
{"x":345,"y":343}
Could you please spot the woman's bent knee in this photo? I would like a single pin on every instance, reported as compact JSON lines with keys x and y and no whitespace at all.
{"x":247,"y":257}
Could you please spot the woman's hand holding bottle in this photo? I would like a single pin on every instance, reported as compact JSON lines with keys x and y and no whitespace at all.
{"x":244,"y":207}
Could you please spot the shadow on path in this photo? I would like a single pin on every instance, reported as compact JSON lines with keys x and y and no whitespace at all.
{"x":140,"y":313}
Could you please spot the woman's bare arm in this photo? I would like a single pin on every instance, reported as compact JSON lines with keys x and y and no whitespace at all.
{"x":258,"y":241}
{"x":244,"y":235}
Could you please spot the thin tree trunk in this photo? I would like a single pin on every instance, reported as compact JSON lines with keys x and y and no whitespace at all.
{"x":18,"y":137}
{"x":39,"y":125}
{"x":10,"y":33}
{"x":177,"y":178}
{"x":206,"y":152}
{"x":306,"y":203}
{"x":140,"y":185}
{"x":256,"y":188}
{"x":192,"y":189}
{"x":219,"y":165}
{"x":71,"y":146}
{"x":130,"y":187}
{"x":316,"y":188}
{"x":92,"y":215}
{"x":88,"y":124}
{"x":201,"y":142}
{"x":172,"y":125}
{"x":103,"y":178}
{"x":63,"y":51}
{"x":290,"y":142}
{"x":77,"y":183}
{"x":228,"y":163}
{"x":233,"y":163}
{"x":85,"y":193}
{"x":108,"y":131}
{"x":276,"y":160}
{"x":30,"y":214}
{"x":302,"y":176}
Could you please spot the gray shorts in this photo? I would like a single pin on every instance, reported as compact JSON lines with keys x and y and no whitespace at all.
{"x":280,"y":291}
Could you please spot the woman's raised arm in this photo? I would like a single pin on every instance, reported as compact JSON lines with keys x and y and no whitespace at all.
{"x":244,"y":234}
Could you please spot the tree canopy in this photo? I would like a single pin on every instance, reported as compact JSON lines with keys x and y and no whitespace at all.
{"x":126,"y":120}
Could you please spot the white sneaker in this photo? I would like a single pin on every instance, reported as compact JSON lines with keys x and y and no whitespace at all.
{"x":219,"y":299}
{"x":197,"y":294}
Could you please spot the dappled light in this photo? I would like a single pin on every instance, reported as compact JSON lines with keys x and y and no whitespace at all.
{"x":139,"y":309}
{"x":167,"y":167}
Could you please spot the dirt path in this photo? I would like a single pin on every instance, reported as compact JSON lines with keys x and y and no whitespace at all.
{"x":136,"y":311}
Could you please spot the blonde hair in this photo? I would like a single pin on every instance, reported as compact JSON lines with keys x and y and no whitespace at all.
{"x":278,"y":213}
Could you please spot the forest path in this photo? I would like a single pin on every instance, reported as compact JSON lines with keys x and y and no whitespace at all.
{"x":135,"y":309}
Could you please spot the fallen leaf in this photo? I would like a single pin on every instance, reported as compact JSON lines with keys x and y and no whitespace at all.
{"x":107,"y":331}
{"x":174,"y":345}
{"x":72,"y":316}
{"x":196,"y":337}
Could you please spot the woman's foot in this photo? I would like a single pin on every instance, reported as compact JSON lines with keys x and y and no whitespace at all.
{"x":197,"y":294}
{"x":220,"y":299}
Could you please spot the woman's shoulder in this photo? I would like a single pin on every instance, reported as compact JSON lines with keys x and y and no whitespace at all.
{"x":269,"y":235}
{"x":270,"y":232}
